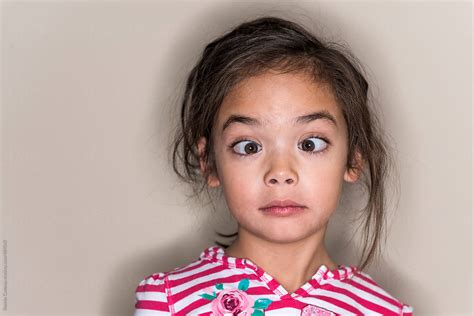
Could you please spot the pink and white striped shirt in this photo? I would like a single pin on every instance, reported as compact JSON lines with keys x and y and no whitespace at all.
{"x":217,"y":284}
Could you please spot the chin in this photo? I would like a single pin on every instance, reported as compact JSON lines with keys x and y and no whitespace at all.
{"x":282,"y":236}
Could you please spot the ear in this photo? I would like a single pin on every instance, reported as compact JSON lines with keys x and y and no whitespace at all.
{"x":353,"y":174}
{"x":212,"y":180}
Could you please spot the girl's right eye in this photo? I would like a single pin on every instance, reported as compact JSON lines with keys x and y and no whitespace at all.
{"x":246,"y":147}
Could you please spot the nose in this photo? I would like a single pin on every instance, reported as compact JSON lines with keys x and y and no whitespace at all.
{"x":281,"y":173}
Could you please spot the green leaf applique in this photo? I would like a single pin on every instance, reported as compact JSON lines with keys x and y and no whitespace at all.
{"x":262,"y":303}
{"x":257,"y":312}
{"x":244,"y":284}
{"x":208,"y":296}
{"x":219,"y":286}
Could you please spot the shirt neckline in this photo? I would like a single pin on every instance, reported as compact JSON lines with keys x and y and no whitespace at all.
{"x":322,"y":275}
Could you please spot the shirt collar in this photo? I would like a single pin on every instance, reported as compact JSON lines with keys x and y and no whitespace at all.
{"x":216,"y":254}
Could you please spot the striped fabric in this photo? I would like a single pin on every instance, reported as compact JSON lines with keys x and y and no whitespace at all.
{"x":194,"y":289}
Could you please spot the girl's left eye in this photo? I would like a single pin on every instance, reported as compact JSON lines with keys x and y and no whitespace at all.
{"x":314,"y":144}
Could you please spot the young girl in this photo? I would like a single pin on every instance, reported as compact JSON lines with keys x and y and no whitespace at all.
{"x":277,"y":120}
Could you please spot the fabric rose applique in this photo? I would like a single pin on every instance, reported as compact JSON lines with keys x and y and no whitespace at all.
{"x":236,"y":302}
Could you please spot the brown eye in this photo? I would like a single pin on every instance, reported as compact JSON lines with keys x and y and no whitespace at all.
{"x":308,"y":146}
{"x":313,"y":144}
{"x":246,"y":147}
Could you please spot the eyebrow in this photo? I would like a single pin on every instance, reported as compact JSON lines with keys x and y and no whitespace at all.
{"x":304,"y":119}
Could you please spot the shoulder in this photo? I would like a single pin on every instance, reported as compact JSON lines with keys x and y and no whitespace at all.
{"x":153,"y":293}
{"x":375,"y":296}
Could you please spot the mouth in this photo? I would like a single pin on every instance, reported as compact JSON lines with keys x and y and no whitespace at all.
{"x":283,"y":208}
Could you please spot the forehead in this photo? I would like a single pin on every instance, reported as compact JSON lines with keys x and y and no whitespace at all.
{"x":276,"y":98}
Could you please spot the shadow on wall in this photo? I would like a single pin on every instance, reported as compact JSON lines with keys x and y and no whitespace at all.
{"x":120,"y":294}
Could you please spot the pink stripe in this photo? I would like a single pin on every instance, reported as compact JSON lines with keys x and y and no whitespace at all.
{"x":259,"y":290}
{"x":153,"y":305}
{"x":287,"y":296}
{"x":206,"y":253}
{"x":189,"y":308}
{"x":151,"y":288}
{"x":239,"y":263}
{"x":315,"y":285}
{"x":339,"y":304}
{"x":367,"y":304}
{"x":286,"y":303}
{"x":209,"y":271}
{"x":214,"y":256}
{"x":379,"y":295}
{"x":363,"y":277}
{"x":272,"y":283}
{"x":301,"y":292}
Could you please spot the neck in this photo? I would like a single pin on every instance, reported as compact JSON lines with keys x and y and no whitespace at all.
{"x":290,"y":264}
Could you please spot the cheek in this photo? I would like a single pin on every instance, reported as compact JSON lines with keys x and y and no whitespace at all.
{"x":240,"y":185}
{"x":323,"y":176}
{"x":323,"y":181}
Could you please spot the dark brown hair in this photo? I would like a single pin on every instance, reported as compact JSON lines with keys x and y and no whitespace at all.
{"x":271,"y":43}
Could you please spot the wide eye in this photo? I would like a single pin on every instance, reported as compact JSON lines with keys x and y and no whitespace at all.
{"x":313,"y":144}
{"x":246,"y":147}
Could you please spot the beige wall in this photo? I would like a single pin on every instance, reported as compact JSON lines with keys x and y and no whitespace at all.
{"x":90,"y":205}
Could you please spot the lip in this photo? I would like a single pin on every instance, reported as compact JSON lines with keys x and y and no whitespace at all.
{"x":282,"y":211}
{"x":282,"y":204}
{"x":282,"y":208}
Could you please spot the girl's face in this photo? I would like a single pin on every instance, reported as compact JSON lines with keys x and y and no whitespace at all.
{"x":279,"y":137}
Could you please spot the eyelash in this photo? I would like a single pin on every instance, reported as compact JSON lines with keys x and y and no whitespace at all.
{"x":231,"y":146}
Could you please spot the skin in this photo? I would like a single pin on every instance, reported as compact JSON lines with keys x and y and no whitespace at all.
{"x":292,"y":248}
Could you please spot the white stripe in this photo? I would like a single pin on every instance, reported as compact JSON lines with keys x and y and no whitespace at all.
{"x":346,"y":299}
{"x":148,"y":312}
{"x":268,"y":278}
{"x":200,"y":310}
{"x":182,"y":275}
{"x":151,"y":296}
{"x":365,"y":295}
{"x":375,"y":288}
